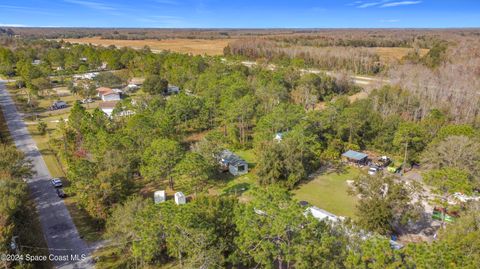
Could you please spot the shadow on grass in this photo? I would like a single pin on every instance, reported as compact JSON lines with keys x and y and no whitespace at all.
{"x":88,"y":227}
{"x":237,"y":189}
{"x":338,"y":168}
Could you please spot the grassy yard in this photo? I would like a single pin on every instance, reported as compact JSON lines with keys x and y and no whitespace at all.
{"x":48,"y":155}
{"x":249,"y":156}
{"x":239,"y":185}
{"x":329,"y":191}
{"x":87,"y":227}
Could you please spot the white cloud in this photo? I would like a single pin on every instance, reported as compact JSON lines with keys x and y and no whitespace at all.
{"x":383,"y":3}
{"x":401,"y":3}
{"x":12,"y":25}
{"x":370,"y":4}
{"x":91,"y":4}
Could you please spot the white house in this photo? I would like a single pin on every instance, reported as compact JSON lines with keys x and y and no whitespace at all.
{"x":88,"y":76}
{"x":159,"y":197}
{"x":107,"y":94}
{"x":108,"y":107}
{"x":180,"y":198}
{"x":111,"y":96}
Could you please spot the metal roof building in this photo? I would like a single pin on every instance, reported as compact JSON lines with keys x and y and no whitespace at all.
{"x":236,"y":165}
{"x":355,"y":156}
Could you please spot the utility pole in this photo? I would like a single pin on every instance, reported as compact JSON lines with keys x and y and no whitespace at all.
{"x":405,"y":157}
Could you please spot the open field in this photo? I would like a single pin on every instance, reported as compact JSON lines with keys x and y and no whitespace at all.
{"x":193,"y":46}
{"x":389,"y":54}
{"x":329,"y":191}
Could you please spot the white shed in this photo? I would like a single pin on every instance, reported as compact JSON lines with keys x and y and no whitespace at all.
{"x":159,"y":197}
{"x":278,"y":137}
{"x":180,"y":198}
{"x":321,"y":214}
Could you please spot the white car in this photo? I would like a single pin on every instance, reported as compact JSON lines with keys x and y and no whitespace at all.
{"x":372,"y":171}
{"x":56,"y":183}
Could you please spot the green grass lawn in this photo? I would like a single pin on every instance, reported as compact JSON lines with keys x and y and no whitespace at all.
{"x":329,"y":192}
{"x":48,"y":155}
{"x":239,"y":185}
{"x":249,"y":156}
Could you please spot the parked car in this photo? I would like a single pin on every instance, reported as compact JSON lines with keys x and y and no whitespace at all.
{"x":372,"y":171}
{"x":394,"y":169}
{"x":56,"y":183}
{"x":383,"y":161}
{"x":61,"y":193}
{"x":304,"y":203}
{"x":87,"y":101}
{"x":58,"y":105}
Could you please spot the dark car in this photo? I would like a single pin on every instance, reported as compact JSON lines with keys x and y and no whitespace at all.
{"x":56,"y":183}
{"x":304,"y":203}
{"x":58,"y":105}
{"x":61,"y":193}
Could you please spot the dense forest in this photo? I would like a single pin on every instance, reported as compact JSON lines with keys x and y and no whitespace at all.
{"x":447,"y":77}
{"x":225,"y":105}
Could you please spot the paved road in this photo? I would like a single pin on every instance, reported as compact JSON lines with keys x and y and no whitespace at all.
{"x":58,"y":228}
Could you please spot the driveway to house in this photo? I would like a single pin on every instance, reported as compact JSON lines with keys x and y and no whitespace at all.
{"x":67,"y":250}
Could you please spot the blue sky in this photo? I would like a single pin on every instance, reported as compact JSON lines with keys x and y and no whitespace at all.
{"x":242,"y":14}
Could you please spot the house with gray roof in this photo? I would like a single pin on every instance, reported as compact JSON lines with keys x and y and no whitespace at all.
{"x":232,"y":163}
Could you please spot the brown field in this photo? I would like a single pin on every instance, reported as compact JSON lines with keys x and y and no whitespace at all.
{"x":389,"y":54}
{"x":182,"y":45}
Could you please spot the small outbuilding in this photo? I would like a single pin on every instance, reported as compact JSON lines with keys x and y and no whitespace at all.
{"x":108,"y":107}
{"x":172,"y":89}
{"x":180,"y":198}
{"x":355,"y":157}
{"x":232,"y":163}
{"x":159,"y":197}
{"x":278,"y":137}
{"x":321,"y":214}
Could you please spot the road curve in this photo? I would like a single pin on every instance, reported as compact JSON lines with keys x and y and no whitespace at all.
{"x":66,"y":248}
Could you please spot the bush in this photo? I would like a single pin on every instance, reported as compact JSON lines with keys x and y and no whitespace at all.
{"x":42,"y":128}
